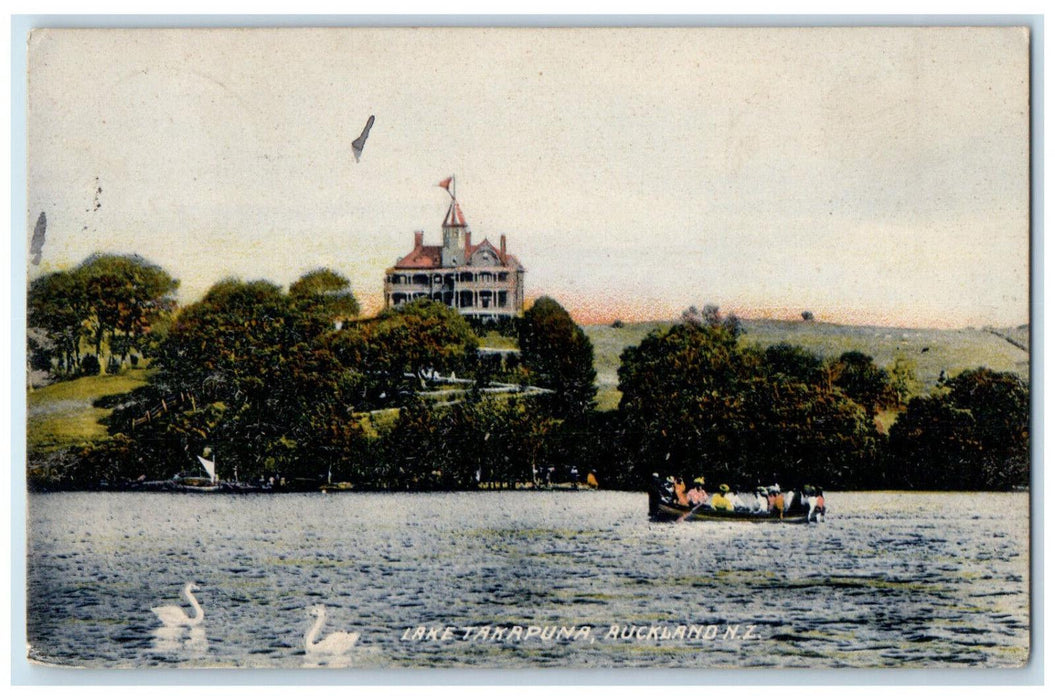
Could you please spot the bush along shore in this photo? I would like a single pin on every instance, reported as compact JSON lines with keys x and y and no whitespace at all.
{"x":291,"y":388}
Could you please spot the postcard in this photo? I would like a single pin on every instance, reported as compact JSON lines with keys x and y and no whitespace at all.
{"x":522,"y":348}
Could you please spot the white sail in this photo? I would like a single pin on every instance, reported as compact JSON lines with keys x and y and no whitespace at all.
{"x":209,"y":467}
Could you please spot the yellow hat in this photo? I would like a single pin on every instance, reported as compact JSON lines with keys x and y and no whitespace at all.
{"x":698,"y":480}
{"x":724,"y":488}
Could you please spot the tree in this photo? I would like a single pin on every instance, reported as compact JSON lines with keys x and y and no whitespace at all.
{"x":712,"y":316}
{"x":325,"y":293}
{"x":792,"y":362}
{"x":859,"y":378}
{"x":695,"y":401}
{"x":903,"y":379}
{"x":127,"y":294}
{"x":417,"y":340}
{"x":972,"y":433}
{"x":108,"y":300}
{"x":58,"y":305}
{"x":559,"y":356}
{"x":681,"y":393}
{"x":247,"y":372}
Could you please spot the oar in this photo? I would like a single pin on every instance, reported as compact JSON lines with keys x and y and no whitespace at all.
{"x":694,"y":509}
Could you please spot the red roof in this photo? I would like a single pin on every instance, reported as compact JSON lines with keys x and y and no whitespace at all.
{"x":423,"y":257}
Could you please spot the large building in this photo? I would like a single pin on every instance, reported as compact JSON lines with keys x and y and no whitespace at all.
{"x":479,"y":280}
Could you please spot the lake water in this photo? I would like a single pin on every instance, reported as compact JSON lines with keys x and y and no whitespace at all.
{"x":522,"y":579}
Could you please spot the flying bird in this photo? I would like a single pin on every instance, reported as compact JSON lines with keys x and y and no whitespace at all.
{"x":357,"y":145}
{"x":36,"y":246}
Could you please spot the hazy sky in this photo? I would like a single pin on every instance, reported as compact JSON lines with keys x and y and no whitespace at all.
{"x":869,"y":175}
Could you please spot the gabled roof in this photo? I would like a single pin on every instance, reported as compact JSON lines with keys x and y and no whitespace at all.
{"x":422,"y":257}
{"x":506,"y":260}
{"x":427,"y":257}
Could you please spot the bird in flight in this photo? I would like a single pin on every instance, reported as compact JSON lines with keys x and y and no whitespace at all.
{"x":357,"y":145}
{"x":36,"y":246}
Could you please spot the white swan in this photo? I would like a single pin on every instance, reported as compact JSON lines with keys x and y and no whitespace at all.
{"x":334,"y":644}
{"x":173,"y":615}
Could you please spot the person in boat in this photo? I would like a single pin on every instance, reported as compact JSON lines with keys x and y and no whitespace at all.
{"x":591,"y":480}
{"x":697,"y":496}
{"x":760,"y":503}
{"x":815,"y":500}
{"x":776,"y":500}
{"x":680,"y":494}
{"x":744,"y":501}
{"x":722,"y":500}
{"x":658,"y":493}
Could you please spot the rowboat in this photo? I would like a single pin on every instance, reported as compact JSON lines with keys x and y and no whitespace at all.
{"x":666,"y":512}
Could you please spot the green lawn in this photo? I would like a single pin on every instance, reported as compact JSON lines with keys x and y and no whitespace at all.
{"x":61,"y":414}
{"x":493,"y":339}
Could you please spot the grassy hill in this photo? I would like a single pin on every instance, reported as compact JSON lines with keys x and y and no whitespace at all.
{"x":61,"y":414}
{"x":932,"y":350}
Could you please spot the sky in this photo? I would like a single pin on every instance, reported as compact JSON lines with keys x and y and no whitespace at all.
{"x":871,"y":176}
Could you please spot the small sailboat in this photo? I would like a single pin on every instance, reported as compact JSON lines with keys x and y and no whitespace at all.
{"x":197,"y":484}
{"x":210,"y":468}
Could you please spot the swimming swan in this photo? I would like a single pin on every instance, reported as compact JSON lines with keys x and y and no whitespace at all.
{"x":336,"y":643}
{"x":173,"y":615}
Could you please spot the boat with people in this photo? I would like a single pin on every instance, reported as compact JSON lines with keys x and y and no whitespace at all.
{"x":671,"y":500}
{"x":674,"y":512}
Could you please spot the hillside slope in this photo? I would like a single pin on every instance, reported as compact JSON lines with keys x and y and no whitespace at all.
{"x":63,"y":415}
{"x":931,"y":350}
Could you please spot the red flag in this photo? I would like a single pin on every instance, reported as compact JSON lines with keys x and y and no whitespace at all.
{"x":446,"y":184}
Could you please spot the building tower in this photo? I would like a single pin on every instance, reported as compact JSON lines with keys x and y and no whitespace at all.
{"x":455,"y":233}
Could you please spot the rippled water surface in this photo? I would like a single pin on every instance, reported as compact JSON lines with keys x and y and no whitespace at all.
{"x":891,"y":579}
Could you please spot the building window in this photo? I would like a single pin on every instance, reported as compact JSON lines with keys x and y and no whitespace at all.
{"x":503,"y":299}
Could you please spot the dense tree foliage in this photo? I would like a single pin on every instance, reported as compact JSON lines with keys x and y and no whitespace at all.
{"x":247,"y":373}
{"x":558,"y":356}
{"x":698,"y":402}
{"x":57,"y":304}
{"x":971,"y":433}
{"x":292,"y":385}
{"x":860,"y":379}
{"x":326,"y":294}
{"x":404,"y":346}
{"x":109,"y":302}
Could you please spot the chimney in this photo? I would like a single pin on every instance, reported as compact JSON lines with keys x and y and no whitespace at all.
{"x":468,"y":239}
{"x":419,"y":238}
{"x":502,"y":243}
